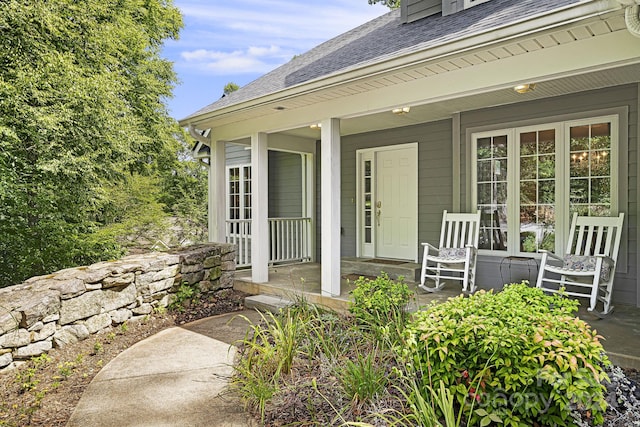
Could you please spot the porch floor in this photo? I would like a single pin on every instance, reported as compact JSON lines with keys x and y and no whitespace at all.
{"x":621,"y":329}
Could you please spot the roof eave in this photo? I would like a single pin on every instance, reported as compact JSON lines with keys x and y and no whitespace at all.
{"x":546,"y":21}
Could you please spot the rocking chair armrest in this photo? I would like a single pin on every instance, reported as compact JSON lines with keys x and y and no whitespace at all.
{"x":429,"y":247}
{"x":551,"y":254}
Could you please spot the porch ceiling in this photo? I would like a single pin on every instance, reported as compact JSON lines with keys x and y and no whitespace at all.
{"x":444,"y":109}
{"x":563,"y":59}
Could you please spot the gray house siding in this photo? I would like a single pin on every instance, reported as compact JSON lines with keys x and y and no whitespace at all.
{"x":285,"y":185}
{"x":626,"y":283}
{"x":434,"y":176}
{"x":237,"y":155}
{"x":412,"y":10}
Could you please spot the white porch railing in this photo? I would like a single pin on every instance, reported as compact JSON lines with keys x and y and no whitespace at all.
{"x":289,"y":240}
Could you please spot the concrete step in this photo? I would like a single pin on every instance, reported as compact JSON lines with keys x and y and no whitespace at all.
{"x":264,"y":302}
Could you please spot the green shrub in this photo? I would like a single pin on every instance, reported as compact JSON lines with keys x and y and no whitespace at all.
{"x":519,"y":355}
{"x":381,"y":304}
{"x":363,"y":378}
{"x":266,"y":353}
{"x":185,"y":293}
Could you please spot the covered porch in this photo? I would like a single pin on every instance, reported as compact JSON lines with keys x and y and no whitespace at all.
{"x":621,"y":329}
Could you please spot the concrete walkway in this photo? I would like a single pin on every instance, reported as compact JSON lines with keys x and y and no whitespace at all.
{"x":177,"y":377}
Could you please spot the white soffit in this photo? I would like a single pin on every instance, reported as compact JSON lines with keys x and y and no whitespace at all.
{"x":494,"y":53}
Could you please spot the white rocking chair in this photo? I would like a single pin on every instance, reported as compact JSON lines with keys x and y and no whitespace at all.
{"x":455,"y":257}
{"x":589,"y":265}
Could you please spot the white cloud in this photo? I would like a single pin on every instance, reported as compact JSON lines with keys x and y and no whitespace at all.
{"x":239,"y":40}
{"x":255,"y":59}
{"x":289,"y":23}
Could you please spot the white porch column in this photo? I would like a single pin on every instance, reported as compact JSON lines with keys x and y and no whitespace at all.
{"x":259,"y":208}
{"x":330,"y":209}
{"x":217,"y":203}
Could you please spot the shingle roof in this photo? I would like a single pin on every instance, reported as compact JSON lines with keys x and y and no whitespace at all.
{"x":384,"y":38}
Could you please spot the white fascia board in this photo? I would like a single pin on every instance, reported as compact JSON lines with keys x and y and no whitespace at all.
{"x":537,"y":24}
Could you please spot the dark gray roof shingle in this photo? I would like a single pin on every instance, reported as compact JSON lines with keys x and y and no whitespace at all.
{"x":384,"y":38}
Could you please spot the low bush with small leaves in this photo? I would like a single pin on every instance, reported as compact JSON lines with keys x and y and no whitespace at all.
{"x":381,"y":304}
{"x":518,"y":357}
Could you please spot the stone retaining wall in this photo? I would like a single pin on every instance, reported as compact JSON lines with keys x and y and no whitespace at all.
{"x":70,"y":305}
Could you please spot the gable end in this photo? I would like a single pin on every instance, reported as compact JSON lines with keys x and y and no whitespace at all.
{"x":412,"y":10}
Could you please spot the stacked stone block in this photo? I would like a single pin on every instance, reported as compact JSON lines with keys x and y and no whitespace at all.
{"x":72,"y":304}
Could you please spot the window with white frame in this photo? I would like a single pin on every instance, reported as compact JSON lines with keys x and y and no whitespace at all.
{"x":528,"y":181}
{"x":239,"y":195}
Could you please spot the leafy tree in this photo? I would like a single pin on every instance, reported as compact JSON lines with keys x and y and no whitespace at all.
{"x":184,"y":195}
{"x":82,"y":88}
{"x":230,"y":87}
{"x":391,"y":4}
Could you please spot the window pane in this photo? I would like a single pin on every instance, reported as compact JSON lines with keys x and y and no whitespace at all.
{"x":547,"y":166}
{"x":546,"y":192}
{"x":493,"y":228}
{"x":537,"y":188}
{"x":527,"y":167}
{"x":590,"y":168}
{"x":491,"y":186}
{"x":500,"y":146}
{"x":484,"y":171}
{"x":528,"y":193}
{"x":579,"y":191}
{"x":579,"y":138}
{"x":600,"y":165}
{"x":484,"y":148}
{"x":500,"y":195}
{"x":528,"y":143}
{"x":484,"y":194}
{"x":601,"y":130}
{"x":601,"y":191}
{"x":547,"y":141}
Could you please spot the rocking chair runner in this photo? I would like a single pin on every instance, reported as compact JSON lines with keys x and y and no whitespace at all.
{"x":455,"y":258}
{"x":588,"y":267}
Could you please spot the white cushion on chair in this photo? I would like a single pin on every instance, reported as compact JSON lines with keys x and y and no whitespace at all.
{"x":582,"y":263}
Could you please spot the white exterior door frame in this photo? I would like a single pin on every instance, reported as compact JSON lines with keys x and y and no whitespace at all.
{"x":367,"y":229}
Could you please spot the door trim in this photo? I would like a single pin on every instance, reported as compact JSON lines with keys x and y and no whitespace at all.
{"x":369,"y":153}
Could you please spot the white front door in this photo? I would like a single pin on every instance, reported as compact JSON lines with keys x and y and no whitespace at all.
{"x":389,"y":202}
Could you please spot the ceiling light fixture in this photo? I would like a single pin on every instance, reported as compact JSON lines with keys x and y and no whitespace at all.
{"x":525,"y":87}
{"x":316,"y":126}
{"x":401,"y":110}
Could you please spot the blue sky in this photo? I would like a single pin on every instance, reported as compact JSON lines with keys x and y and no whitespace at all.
{"x":240,"y":40}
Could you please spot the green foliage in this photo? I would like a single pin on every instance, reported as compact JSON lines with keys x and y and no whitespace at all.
{"x":363,"y":378}
{"x":267,"y":353}
{"x":97,"y":347}
{"x":66,"y":369}
{"x":381,"y":304}
{"x":186,"y":293}
{"x":391,"y":4}
{"x":184,"y":194}
{"x":519,"y":356}
{"x":230,"y":88}
{"x":82,"y":92}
